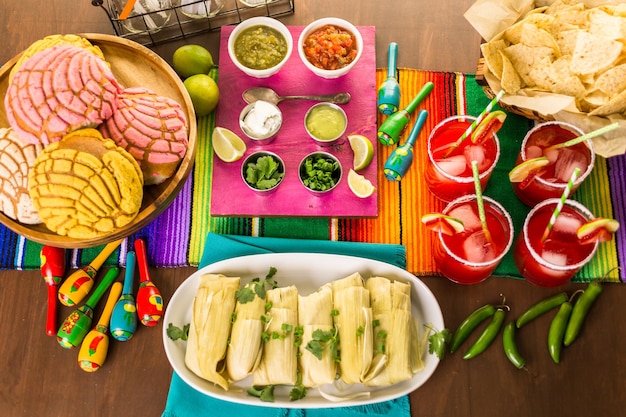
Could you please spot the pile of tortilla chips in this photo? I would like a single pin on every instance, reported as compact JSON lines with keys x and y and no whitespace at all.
{"x":565,"y":48}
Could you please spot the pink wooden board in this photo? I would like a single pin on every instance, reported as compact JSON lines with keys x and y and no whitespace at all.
{"x":231,"y":197}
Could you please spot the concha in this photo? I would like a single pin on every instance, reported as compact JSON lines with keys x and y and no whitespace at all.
{"x":84,"y":186}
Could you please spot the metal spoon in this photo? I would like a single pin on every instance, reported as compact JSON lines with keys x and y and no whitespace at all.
{"x":267,"y":94}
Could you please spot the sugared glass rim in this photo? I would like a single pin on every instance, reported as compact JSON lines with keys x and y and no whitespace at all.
{"x":577,"y":132}
{"x":580,"y":208}
{"x":458,"y":178}
{"x":500,"y":209}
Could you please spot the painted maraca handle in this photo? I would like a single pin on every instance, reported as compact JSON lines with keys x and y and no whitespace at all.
{"x":389,"y":92}
{"x":52,"y":270}
{"x":78,"y":284}
{"x":124,"y":317}
{"x":94,"y":348}
{"x":149,"y":300}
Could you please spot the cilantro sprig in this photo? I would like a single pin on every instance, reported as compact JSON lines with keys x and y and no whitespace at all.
{"x":257,"y":287}
{"x":438,"y":341}
{"x":175,"y":333}
{"x":324,"y":339}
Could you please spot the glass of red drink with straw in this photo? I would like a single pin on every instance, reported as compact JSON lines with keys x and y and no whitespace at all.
{"x":550,"y":180}
{"x":448,"y":173}
{"x":552,"y":259}
{"x":471,"y":256}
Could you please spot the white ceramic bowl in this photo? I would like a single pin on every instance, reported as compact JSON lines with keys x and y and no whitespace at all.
{"x":259,"y":21}
{"x":317,"y":24}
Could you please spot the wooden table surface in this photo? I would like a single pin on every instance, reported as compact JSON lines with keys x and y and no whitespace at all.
{"x":40,"y":379}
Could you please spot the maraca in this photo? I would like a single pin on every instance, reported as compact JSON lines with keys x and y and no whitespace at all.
{"x":124,"y":316}
{"x":149,"y":300}
{"x":390,"y":130}
{"x":80,"y":282}
{"x":78,"y":323}
{"x":401,"y":158}
{"x":52,"y":270}
{"x":389,"y":91}
{"x":93,"y":351}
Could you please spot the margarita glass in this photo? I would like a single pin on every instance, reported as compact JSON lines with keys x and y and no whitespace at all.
{"x":551,"y":180}
{"x":468,"y":257}
{"x":449,"y":174}
{"x":555,"y":260}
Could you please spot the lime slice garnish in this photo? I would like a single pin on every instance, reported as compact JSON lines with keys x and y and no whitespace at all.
{"x":363,"y":150}
{"x":359,"y":185}
{"x":488,"y":126}
{"x":523,"y":170}
{"x":227,"y":145}
{"x":439,"y":222}
{"x":597,"y":230}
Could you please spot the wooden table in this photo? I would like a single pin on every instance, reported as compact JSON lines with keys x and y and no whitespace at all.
{"x":38,"y":378}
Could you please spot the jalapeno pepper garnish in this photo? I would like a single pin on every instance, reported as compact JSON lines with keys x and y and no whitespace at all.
{"x":580,"y":310}
{"x":469,"y":324}
{"x":488,"y":335}
{"x":557,"y":330}
{"x":510,"y":346}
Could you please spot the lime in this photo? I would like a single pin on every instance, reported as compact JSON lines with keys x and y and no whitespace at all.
{"x":523,"y":170}
{"x":363,"y":151}
{"x":439,"y":222}
{"x":227,"y":145}
{"x":360,"y":186}
{"x":190,"y":60}
{"x":597,"y":230}
{"x":204,"y":93}
{"x":488,"y":126}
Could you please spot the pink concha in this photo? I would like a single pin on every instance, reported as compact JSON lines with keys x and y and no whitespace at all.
{"x":59,"y":90}
{"x":152,"y":128}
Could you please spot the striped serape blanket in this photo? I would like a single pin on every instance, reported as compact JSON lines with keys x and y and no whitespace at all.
{"x":177,"y":237}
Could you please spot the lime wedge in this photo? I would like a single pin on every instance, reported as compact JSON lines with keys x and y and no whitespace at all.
{"x":523,"y":170}
{"x":597,"y":230}
{"x":359,"y":185}
{"x":363,"y":151}
{"x":438,"y":222}
{"x":488,"y":126}
{"x":227,"y":145}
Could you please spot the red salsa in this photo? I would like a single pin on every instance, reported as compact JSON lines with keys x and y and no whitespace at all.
{"x":330,"y":47}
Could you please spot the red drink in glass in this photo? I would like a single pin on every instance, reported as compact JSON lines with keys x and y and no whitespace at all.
{"x":552,"y":179}
{"x":451,"y":176}
{"x":553,"y":262}
{"x":468,"y":257}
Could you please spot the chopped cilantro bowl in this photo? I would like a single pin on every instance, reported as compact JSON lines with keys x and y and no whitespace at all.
{"x":263,"y":171}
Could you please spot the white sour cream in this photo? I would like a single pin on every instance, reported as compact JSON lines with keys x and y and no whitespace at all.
{"x":262,"y":120}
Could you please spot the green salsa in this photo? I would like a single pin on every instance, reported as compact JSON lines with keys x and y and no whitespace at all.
{"x":260,"y":47}
{"x":325,"y":122}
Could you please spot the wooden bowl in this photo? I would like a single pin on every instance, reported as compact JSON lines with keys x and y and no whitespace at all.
{"x":133,"y":65}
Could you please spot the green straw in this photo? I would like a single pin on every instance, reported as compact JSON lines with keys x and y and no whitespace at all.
{"x":559,"y":206}
{"x":586,"y":136}
{"x":475,"y":123}
{"x":479,"y":201}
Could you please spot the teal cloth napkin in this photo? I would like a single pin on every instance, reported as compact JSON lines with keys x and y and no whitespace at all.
{"x":185,"y":401}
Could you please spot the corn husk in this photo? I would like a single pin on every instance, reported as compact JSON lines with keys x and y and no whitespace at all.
{"x":391,"y":309}
{"x":210,"y":326}
{"x":244,"y":351}
{"x":354,"y":324}
{"x":315,"y":313}
{"x":279,"y":364}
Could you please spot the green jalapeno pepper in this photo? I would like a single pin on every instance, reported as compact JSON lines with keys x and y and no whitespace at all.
{"x":580,"y":310}
{"x":510,"y":346}
{"x":540,"y":308}
{"x":469,"y":324}
{"x":487,"y":336}
{"x":557,"y":330}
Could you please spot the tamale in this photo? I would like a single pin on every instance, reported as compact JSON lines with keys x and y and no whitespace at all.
{"x":353,"y":320}
{"x":391,"y":310}
{"x":244,"y":349}
{"x":209,"y":329}
{"x":279,"y":363}
{"x":315,"y":318}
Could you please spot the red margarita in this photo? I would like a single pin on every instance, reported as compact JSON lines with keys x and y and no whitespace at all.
{"x":469,"y":257}
{"x":449,"y":174}
{"x":555,"y":260}
{"x":550,"y":180}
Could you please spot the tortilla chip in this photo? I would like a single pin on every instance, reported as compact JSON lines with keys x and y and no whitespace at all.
{"x":617,"y":104}
{"x":491,"y":53}
{"x":612,"y":81}
{"x":510,"y":81}
{"x":567,"y":41}
{"x":593,"y":100}
{"x":524,"y":58}
{"x":539,"y":20}
{"x":594,"y":53}
{"x":606,"y":25}
{"x":533,"y":36}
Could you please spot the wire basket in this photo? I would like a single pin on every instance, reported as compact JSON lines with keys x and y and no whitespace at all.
{"x":179,"y":19}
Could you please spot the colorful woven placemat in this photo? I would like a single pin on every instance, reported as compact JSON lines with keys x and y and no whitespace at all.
{"x":176,"y":238}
